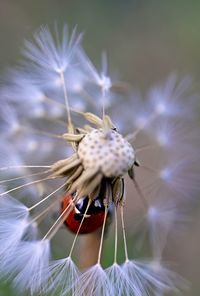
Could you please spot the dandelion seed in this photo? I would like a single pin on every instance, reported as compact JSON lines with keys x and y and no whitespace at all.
{"x":31,"y":260}
{"x":150,"y":277}
{"x":166,"y":99}
{"x":63,"y":276}
{"x":13,"y":225}
{"x":123,"y":284}
{"x":47,"y":54}
{"x":164,"y":220}
{"x":94,"y":281}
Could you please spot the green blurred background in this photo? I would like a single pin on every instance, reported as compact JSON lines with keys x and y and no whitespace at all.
{"x":145,"y":40}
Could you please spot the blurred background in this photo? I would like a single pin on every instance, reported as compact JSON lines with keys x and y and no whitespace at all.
{"x":145,"y":41}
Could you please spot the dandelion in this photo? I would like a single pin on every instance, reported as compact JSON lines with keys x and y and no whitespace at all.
{"x":70,"y":141}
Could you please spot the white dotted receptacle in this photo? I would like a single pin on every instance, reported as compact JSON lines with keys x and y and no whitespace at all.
{"x":108,"y":152}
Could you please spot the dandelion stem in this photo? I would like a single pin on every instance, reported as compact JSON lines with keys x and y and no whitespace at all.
{"x":66,"y":98}
{"x":103,"y":103}
{"x":54,"y":228}
{"x":124,"y":233}
{"x":140,"y":194}
{"x":77,"y":233}
{"x":23,"y":167}
{"x":50,"y":100}
{"x":43,"y":133}
{"x":116,"y":236}
{"x":144,"y":148}
{"x":22,"y":177}
{"x":131,"y":137}
{"x":49,"y":195}
{"x":102,"y":235}
{"x":55,"y":120}
{"x":88,"y":97}
{"x":151,"y":170}
{"x":104,"y":89}
{"x":27,"y":184}
{"x":43,"y":214}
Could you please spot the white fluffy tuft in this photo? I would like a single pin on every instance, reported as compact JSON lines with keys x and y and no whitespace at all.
{"x":13,"y":224}
{"x":30,"y":261}
{"x":150,"y":277}
{"x":94,"y":282}
{"x":62,"y":277}
{"x":121,"y":283}
{"x":49,"y":55}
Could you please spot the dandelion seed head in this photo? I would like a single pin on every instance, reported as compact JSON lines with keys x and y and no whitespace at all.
{"x":67,"y":165}
{"x":109,"y":152}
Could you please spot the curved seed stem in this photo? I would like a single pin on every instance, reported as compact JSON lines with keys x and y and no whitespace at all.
{"x":23,"y":167}
{"x":44,"y":199}
{"x":66,"y":98}
{"x":26,"y":185}
{"x":22,"y":177}
{"x":77,"y":233}
{"x":124,"y":233}
{"x":43,"y":214}
{"x":102,"y":235}
{"x":116,"y":236}
{"x":131,"y":137}
{"x":54,"y":228}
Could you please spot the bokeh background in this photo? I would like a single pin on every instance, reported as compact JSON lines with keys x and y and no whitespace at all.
{"x":145,"y":41}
